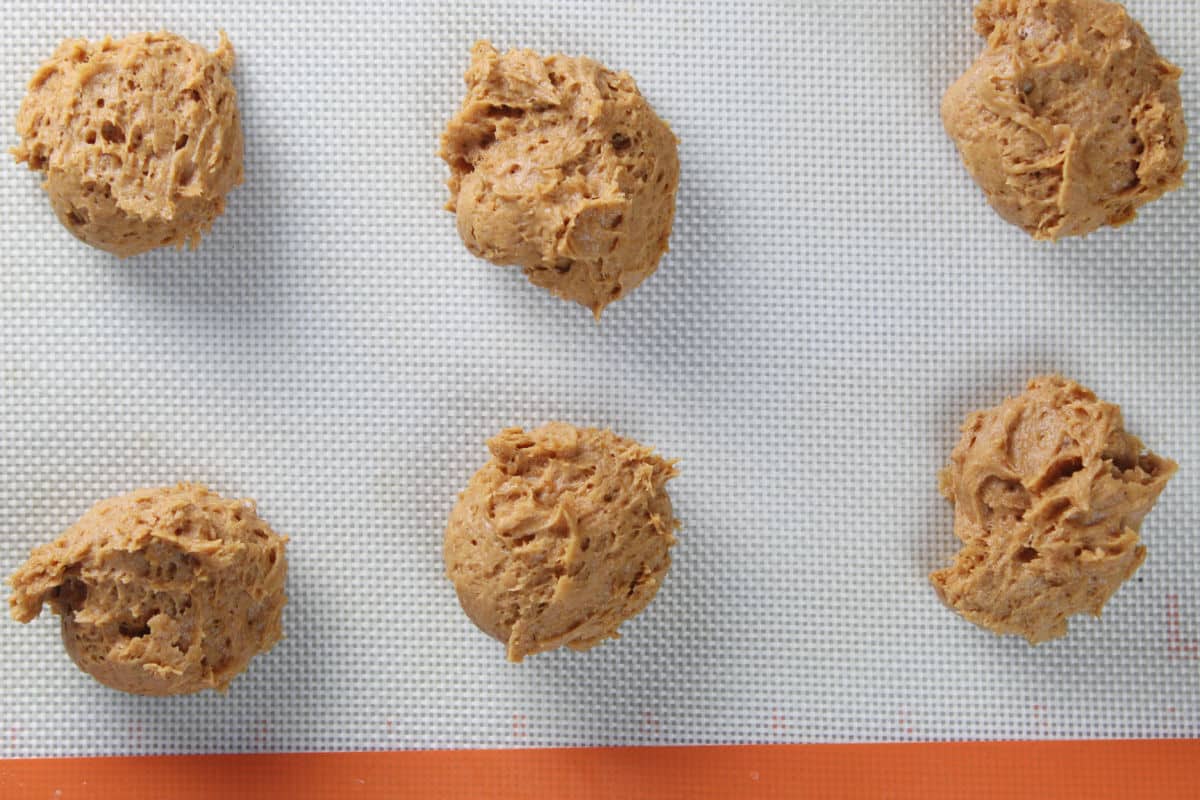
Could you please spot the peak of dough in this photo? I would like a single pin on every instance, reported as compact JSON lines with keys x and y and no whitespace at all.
{"x":558,"y":165}
{"x":161,"y":591}
{"x":1049,"y":493}
{"x":563,"y":535}
{"x":139,"y":139}
{"x":1069,"y":120}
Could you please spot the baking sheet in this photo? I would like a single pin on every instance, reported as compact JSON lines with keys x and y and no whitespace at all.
{"x":838,"y":296}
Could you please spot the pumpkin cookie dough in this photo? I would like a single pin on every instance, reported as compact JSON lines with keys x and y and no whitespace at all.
{"x":1049,"y":492}
{"x":161,"y":591}
{"x":558,"y":165}
{"x":562,"y":536}
{"x":139,"y":139}
{"x":1069,"y":120}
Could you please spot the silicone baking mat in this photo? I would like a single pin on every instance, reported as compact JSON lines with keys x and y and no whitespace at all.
{"x":837,"y":297}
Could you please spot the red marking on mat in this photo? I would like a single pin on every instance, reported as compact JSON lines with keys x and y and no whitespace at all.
{"x":1040,"y":717}
{"x":650,"y":723}
{"x":135,"y":732}
{"x":260,"y":733}
{"x":1177,"y":648}
{"x":520,"y":726}
{"x":778,"y":721}
{"x":905,"y":721}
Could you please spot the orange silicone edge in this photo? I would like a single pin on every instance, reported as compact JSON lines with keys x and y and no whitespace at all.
{"x":1160,"y":769}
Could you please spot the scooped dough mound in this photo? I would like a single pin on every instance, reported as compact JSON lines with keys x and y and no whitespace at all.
{"x":1069,"y":120}
{"x":161,"y":591}
{"x":562,"y":536}
{"x":1049,"y":492}
{"x":139,"y":139}
{"x":559,"y":166}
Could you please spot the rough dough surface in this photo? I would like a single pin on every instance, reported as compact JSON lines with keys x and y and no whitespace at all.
{"x":161,"y":591}
{"x":139,"y":139}
{"x":558,"y":165}
{"x":1049,"y":492}
{"x":562,"y":536}
{"x":1069,"y":120}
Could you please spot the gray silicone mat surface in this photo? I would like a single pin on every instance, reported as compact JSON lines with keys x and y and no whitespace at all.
{"x":838,"y":296}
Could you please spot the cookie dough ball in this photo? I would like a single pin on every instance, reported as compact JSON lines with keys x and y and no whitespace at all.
{"x":562,"y":536}
{"x":1069,"y":120}
{"x":139,"y":139}
{"x":558,"y":165}
{"x":1049,"y":492}
{"x":161,"y":591}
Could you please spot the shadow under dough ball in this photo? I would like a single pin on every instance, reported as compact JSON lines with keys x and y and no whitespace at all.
{"x":558,"y":165}
{"x":563,"y":535}
{"x":161,"y":591}
{"x":1049,"y":493}
{"x":139,"y":139}
{"x":1069,"y":120}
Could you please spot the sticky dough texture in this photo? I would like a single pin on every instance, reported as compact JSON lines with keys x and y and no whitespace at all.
{"x":1049,"y":493}
{"x":559,"y":166}
{"x":1069,"y":120}
{"x":563,"y":535}
{"x":161,"y":591}
{"x":139,"y":139}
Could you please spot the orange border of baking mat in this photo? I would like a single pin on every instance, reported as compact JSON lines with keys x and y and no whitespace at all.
{"x":1160,"y":769}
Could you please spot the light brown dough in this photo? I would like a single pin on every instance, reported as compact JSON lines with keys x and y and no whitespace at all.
{"x":1069,"y":120}
{"x":139,"y":139}
{"x":562,"y":536}
{"x":1049,"y":492}
{"x":161,"y":591}
{"x":558,"y":165}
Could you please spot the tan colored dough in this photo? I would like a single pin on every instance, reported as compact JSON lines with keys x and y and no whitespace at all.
{"x":1069,"y":120}
{"x":562,"y":536}
{"x":1049,"y":493}
{"x":558,"y":165}
{"x":139,"y":139}
{"x":161,"y":591}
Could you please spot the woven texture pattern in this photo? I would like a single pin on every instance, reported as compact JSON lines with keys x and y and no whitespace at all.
{"x":838,"y":296}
